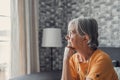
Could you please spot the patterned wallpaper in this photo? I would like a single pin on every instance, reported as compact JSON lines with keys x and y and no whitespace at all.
{"x":57,"y":13}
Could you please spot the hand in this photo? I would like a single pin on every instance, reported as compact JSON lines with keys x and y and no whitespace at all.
{"x":69,"y":51}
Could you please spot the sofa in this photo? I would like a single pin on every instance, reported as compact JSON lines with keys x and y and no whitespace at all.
{"x":50,"y":75}
{"x":113,"y":52}
{"x":56,"y":75}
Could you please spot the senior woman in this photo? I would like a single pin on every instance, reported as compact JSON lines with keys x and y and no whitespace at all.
{"x":82,"y":58}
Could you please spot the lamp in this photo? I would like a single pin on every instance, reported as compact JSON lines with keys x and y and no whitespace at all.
{"x":51,"y":38}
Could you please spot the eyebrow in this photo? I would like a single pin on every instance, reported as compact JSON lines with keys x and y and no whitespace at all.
{"x":73,"y":31}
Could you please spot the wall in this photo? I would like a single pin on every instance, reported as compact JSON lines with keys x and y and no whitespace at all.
{"x":57,"y":13}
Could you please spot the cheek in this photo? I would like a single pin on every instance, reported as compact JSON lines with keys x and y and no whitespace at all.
{"x":74,"y":41}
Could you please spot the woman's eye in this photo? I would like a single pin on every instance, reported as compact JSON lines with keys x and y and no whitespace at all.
{"x":74,"y":32}
{"x":69,"y":33}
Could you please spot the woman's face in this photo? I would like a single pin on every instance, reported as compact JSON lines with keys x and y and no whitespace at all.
{"x":76,"y":41}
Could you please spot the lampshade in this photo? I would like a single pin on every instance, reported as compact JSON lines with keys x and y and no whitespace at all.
{"x":51,"y":37}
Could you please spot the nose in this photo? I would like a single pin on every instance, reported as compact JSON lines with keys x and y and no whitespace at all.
{"x":67,"y":37}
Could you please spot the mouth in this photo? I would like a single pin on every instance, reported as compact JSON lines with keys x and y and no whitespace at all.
{"x":70,"y":46}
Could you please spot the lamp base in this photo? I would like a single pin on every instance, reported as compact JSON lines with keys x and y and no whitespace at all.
{"x":51,"y":59}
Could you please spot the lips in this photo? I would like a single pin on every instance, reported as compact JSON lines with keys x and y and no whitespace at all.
{"x":70,"y":46}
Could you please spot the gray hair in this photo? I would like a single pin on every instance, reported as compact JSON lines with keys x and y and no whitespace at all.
{"x":87,"y":26}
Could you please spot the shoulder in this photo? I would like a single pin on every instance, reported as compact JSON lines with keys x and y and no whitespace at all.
{"x":100,"y":64}
{"x":100,"y":56}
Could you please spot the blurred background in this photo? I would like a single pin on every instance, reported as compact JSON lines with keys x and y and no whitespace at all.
{"x":21,"y":31}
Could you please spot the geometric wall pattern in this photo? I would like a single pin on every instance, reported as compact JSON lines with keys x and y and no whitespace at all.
{"x":57,"y":13}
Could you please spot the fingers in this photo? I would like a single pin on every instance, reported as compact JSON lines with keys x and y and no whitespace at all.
{"x":68,"y":53}
{"x":69,"y":44}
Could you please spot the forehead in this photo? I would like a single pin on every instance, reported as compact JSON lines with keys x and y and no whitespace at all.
{"x":71,"y":27}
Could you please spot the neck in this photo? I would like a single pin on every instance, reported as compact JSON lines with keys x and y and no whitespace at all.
{"x":85,"y":55}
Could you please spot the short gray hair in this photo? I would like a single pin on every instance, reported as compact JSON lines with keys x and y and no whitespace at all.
{"x":87,"y":26}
